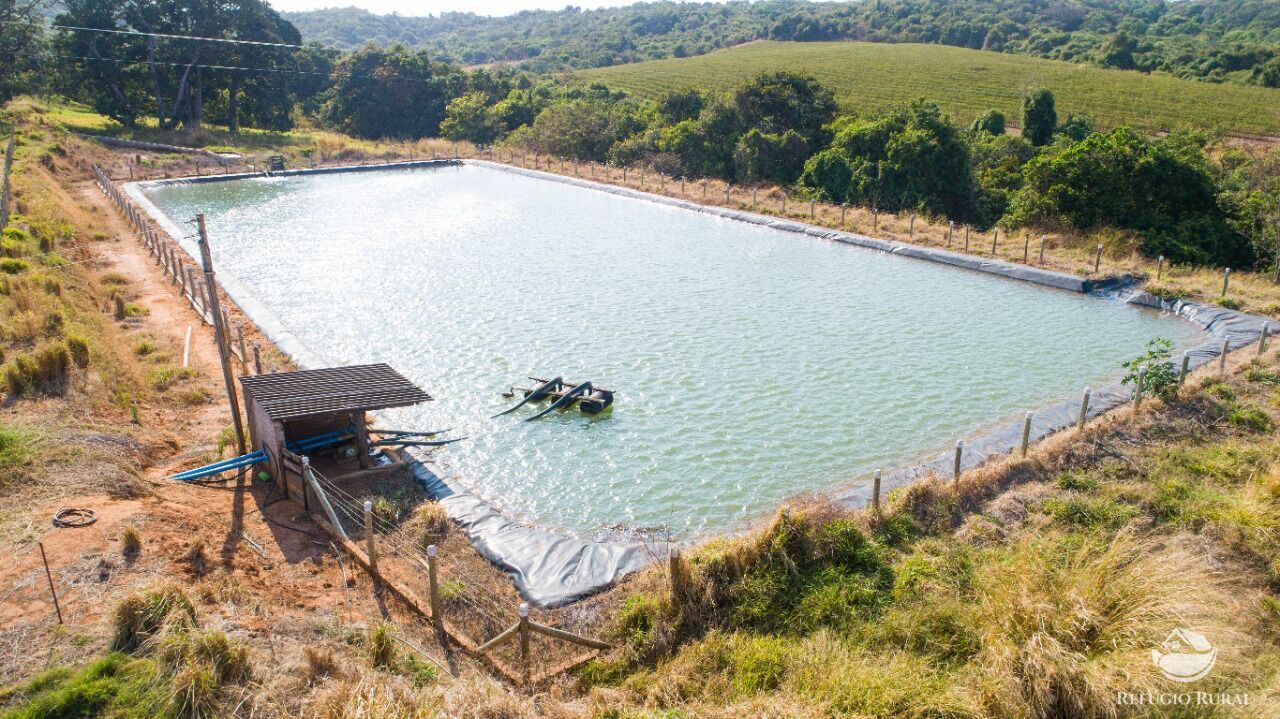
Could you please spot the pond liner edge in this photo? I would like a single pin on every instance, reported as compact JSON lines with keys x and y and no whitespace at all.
{"x":551,"y":569}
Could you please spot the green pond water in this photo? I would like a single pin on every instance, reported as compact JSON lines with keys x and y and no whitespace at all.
{"x":750,"y":364}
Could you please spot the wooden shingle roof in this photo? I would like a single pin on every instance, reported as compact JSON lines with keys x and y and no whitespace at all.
{"x":359,"y":388}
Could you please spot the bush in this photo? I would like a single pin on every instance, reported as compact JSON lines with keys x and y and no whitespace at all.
{"x":1251,"y":419}
{"x":147,"y":616}
{"x":1161,"y":377}
{"x":11,"y":266}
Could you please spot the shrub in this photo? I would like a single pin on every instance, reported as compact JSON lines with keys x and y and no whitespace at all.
{"x":164,"y":377}
{"x":132,"y":309}
{"x":145,"y":347}
{"x":1251,"y":419}
{"x":1230,"y":303}
{"x":11,"y":266}
{"x":1161,"y":378}
{"x":79,"y":349}
{"x":435,"y":523}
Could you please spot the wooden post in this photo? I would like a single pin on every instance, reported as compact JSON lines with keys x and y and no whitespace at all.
{"x":310,"y":478}
{"x":1137,"y":390}
{"x":682,"y":186}
{"x":784,"y":201}
{"x":5,"y":192}
{"x":56,"y":607}
{"x":674,"y":571}
{"x":433,"y":586}
{"x":1226,"y":279}
{"x":219,"y":331}
{"x":624,"y":174}
{"x":1043,"y":240}
{"x":1026,"y":250}
{"x":704,"y":188}
{"x":951,"y":232}
{"x":754,"y":200}
{"x":875,"y":491}
{"x":244,"y":356}
{"x":812,"y":209}
{"x":371,"y":547}
{"x":1186,"y":367}
{"x":1262,"y":338}
{"x":1222,"y":362}
{"x":1026,"y":433}
{"x":257,"y":357}
{"x":966,"y":238}
{"x":524,"y":641}
{"x":875,"y":217}
{"x":1084,"y":408}
{"x":1159,"y":267}
{"x":911,"y":228}
{"x":1097,"y":260}
{"x":955,"y":474}
{"x":843,"y":206}
{"x":727,"y":188}
{"x":642,"y":177}
{"x":186,"y":349}
{"x":995,"y":237}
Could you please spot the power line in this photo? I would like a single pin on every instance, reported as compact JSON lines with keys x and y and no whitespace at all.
{"x":166,"y":36}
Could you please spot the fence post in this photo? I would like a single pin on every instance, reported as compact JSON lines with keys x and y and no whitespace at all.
{"x":955,"y":473}
{"x":812,"y":209}
{"x":875,"y":491}
{"x":433,"y":584}
{"x":875,"y":217}
{"x":1137,"y":390}
{"x":257,"y":357}
{"x":951,"y":232}
{"x":1222,"y":362}
{"x":1026,"y":433}
{"x":1043,"y":240}
{"x":753,"y":195}
{"x":244,"y":356}
{"x":966,"y":238}
{"x":784,"y":202}
{"x":1026,"y":250}
{"x":1084,"y":408}
{"x":524,"y":640}
{"x":1226,"y":279}
{"x":371,"y":547}
{"x":911,"y":228}
{"x":674,"y":571}
{"x":727,"y":189}
{"x":843,"y":206}
{"x":5,"y":193}
{"x":1097,"y":260}
{"x":995,"y":237}
{"x":1262,"y":338}
{"x":1159,"y":267}
{"x":186,"y":348}
{"x":1186,"y":367}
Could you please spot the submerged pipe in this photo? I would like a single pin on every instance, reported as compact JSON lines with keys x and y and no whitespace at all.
{"x":536,"y":394}
{"x":567,"y":399}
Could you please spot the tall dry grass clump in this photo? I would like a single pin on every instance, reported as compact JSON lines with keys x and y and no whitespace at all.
{"x":147,"y":616}
{"x":1065,"y":626}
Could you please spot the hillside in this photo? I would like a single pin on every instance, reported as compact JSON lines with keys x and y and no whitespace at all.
{"x":868,"y":76}
{"x":1223,"y":40}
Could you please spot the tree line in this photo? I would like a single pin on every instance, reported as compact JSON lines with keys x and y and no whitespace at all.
{"x":1214,"y":40}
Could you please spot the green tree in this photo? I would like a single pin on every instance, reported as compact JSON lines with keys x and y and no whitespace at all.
{"x":21,"y":46}
{"x":1075,"y":128}
{"x":391,"y":92}
{"x":584,"y":128}
{"x":990,"y":122}
{"x":906,"y":157}
{"x":468,"y":117}
{"x":776,"y":102}
{"x":771,"y":157}
{"x":1161,"y":189}
{"x":1039,"y":118}
{"x":1118,"y":51}
{"x":680,"y":105}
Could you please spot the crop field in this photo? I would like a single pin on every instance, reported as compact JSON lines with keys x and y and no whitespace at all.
{"x":869,"y":76}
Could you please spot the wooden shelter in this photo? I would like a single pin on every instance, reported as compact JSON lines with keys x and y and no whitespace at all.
{"x":291,"y":413}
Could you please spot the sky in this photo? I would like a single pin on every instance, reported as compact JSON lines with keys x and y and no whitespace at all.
{"x":435,"y":7}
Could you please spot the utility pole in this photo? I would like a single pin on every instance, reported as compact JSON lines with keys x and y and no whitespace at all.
{"x":220,"y":331}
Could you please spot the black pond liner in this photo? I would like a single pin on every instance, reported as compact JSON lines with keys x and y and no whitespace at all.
{"x":552,"y":569}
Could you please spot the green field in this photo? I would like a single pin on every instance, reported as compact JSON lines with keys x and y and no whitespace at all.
{"x":868,"y":76}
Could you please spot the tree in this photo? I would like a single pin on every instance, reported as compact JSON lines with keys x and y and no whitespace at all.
{"x":468,"y":118}
{"x":907,"y":157}
{"x":1160,"y":189}
{"x":583,"y":128}
{"x":772,"y":157}
{"x":1039,"y":118}
{"x":21,"y":41}
{"x":1075,"y":128}
{"x":780,"y":101}
{"x":1118,"y":52}
{"x":990,"y":122}
{"x":1267,"y":74}
{"x":391,"y":92}
{"x":679,"y":105}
